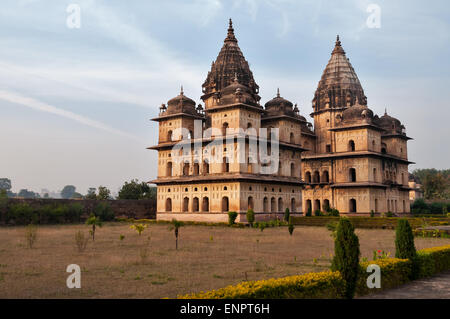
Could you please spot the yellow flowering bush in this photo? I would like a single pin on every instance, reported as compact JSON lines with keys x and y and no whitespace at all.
{"x":312,"y":285}
{"x":139,"y":228}
{"x":433,"y":260}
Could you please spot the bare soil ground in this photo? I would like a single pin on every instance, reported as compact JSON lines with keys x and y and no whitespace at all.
{"x":208,"y":258}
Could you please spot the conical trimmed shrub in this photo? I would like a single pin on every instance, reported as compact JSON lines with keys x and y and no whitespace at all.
{"x":346,"y":256}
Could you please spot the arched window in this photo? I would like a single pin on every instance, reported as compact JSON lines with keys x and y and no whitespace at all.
{"x":224,"y":128}
{"x":351,"y":146}
{"x":249,"y":125}
{"x":195,"y":205}
{"x":265,"y":205}
{"x":205,"y":167}
{"x":316,"y":177}
{"x":308,"y":177}
{"x":325,"y":177}
{"x":352,"y":205}
{"x":376,"y":205}
{"x":352,"y":174}
{"x":186,"y":169}
{"x":374,"y":174}
{"x":250,"y":203}
{"x":293,"y":206}
{"x":196,"y":168}
{"x":205,"y":204}
{"x":280,"y":204}
{"x":186,"y":204}
{"x":169,"y":135}
{"x":292,"y":169}
{"x":168,"y":205}
{"x":292,"y":138}
{"x":225,"y":165}
{"x":225,"y":204}
{"x":273,"y":205}
{"x":169,"y":171}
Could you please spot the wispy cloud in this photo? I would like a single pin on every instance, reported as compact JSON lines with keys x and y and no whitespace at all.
{"x":44,"y":107}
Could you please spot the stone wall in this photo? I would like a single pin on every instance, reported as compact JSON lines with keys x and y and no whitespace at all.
{"x":122,"y":208}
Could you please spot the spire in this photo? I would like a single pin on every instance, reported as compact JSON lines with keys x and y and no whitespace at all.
{"x":337,"y":47}
{"x":339,"y":86}
{"x":278,"y":92}
{"x":181,"y":92}
{"x":385,"y":111}
{"x":230,"y":35}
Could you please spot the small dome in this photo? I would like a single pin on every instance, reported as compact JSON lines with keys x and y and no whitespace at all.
{"x":181,"y":104}
{"x":390,"y":124}
{"x":278,"y":102}
{"x":357,"y":113}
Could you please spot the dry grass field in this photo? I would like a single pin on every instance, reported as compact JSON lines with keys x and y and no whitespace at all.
{"x":208,"y":258}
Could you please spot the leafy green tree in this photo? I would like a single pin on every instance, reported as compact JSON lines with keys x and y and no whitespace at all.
{"x":104,"y":211}
{"x":291,"y":226}
{"x":68,"y":191}
{"x":135,"y":190}
{"x":103,"y":193}
{"x":91,"y":193}
{"x":25,"y":193}
{"x":232,"y":218}
{"x":95,"y":221}
{"x":250,"y":216}
{"x":176,"y":225}
{"x":346,"y":255}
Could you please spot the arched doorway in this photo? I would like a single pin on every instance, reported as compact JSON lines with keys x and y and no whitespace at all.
{"x":308,"y":206}
{"x":352,"y":174}
{"x":280,"y":204}
{"x":326,"y":204}
{"x":168,"y":205}
{"x":316,"y":205}
{"x":205,"y":204}
{"x":250,"y":203}
{"x":273,"y":205}
{"x":352,"y":205}
{"x":225,"y":204}
{"x":351,"y":146}
{"x":265,"y":205}
{"x":293,"y":208}
{"x":316,"y":177}
{"x":325,"y":177}
{"x":308,"y":177}
{"x":169,"y":169}
{"x":186,"y":204}
{"x":195,"y":204}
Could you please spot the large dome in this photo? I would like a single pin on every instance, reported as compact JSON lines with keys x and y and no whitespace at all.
{"x":181,"y":104}
{"x":390,"y":124}
{"x":339,"y":85}
{"x":357,"y":113}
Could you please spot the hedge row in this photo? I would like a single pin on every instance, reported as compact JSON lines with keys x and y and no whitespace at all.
{"x":24,"y":214}
{"x":369,"y":222}
{"x":394,"y":272}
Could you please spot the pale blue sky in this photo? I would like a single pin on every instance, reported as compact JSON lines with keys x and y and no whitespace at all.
{"x":75,"y":104}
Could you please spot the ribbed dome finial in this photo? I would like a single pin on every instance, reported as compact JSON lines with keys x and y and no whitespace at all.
{"x":230,"y":35}
{"x":278,"y":92}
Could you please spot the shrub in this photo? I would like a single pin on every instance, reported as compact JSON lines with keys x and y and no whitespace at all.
{"x":312,"y":285}
{"x":94,"y":221}
{"x":317,"y":213}
{"x":433,"y":260}
{"x":30,"y":235}
{"x":372,"y":213}
{"x":346,"y":255}
{"x":104,"y":211}
{"x":250,"y":216}
{"x":262,"y":225}
{"x":332,"y":226}
{"x":176,"y":226}
{"x":139,"y":228}
{"x":308,"y":213}
{"x":333,"y":212}
{"x":74,"y":212}
{"x":291,"y":227}
{"x":286,"y":214}
{"x":404,"y":244}
{"x":389,"y":214}
{"x":22,"y":214}
{"x":232,"y":218}
{"x":81,"y":241}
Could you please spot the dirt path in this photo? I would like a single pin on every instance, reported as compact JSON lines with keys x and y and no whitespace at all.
{"x":437,"y":287}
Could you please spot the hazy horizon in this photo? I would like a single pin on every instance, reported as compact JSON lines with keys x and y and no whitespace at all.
{"x":76,"y":103}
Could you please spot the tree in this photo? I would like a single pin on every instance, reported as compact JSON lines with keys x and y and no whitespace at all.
{"x":286,"y":214}
{"x":103,"y":193}
{"x":176,"y":226}
{"x":91,"y":193}
{"x":404,"y":244}
{"x":135,"y":190}
{"x":76,"y":196}
{"x":25,"y":193}
{"x":346,"y":256}
{"x":435,"y":183}
{"x":68,"y":191}
{"x":291,"y":226}
{"x":94,"y":221}
{"x":250,"y":216}
{"x":5,"y":183}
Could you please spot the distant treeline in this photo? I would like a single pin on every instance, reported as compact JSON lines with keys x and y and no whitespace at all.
{"x":435,"y":183}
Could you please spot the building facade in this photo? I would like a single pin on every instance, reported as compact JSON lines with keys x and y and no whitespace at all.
{"x":234,"y":154}
{"x":358,"y":162}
